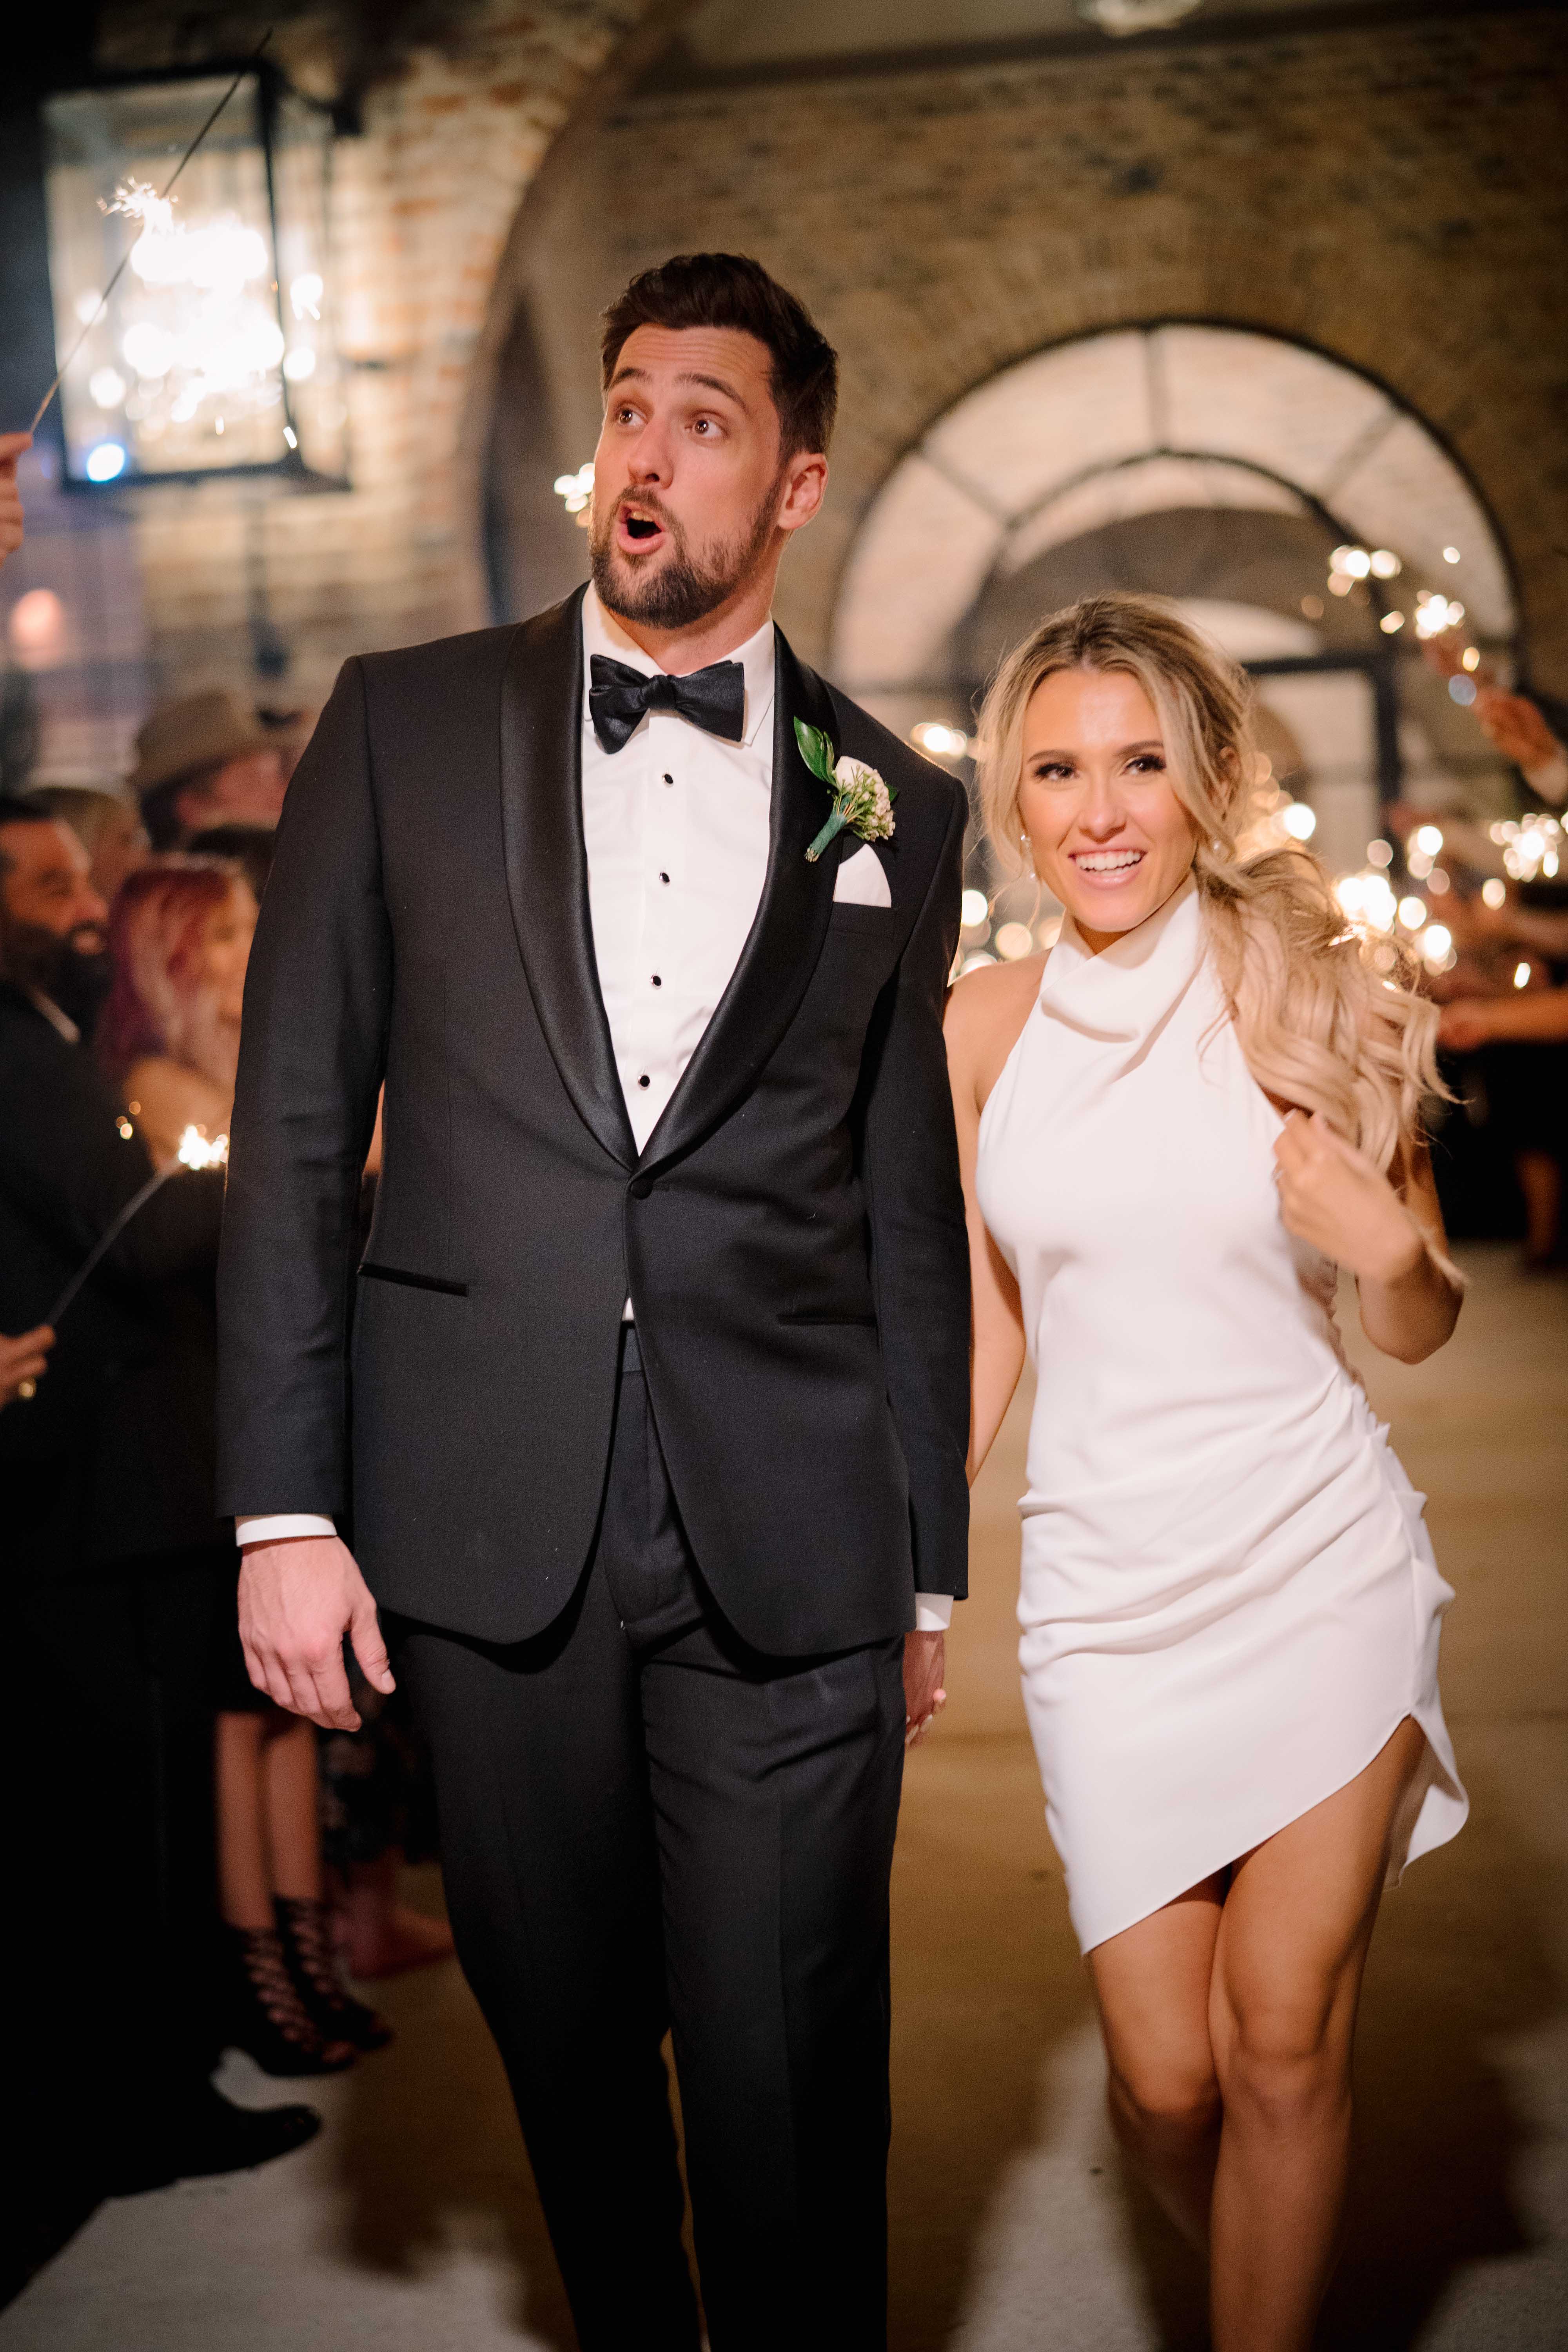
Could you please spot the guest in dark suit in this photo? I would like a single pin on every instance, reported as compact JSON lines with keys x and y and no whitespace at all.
{"x":110,"y":1590}
{"x":655,"y":1438}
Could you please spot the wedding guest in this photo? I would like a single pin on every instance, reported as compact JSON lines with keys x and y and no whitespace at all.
{"x":250,"y":847}
{"x":1518,"y":1035}
{"x":1175,"y":1128}
{"x":378,"y":1811}
{"x":109,"y":1594}
{"x":1529,"y":730}
{"x":180,"y":933}
{"x":12,"y":447}
{"x":24,"y":1360}
{"x":104,"y":818}
{"x":206,"y":760}
{"x":1528,"y":727}
{"x":1539,"y":1017}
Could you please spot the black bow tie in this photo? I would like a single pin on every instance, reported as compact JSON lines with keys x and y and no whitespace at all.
{"x":712,"y":698}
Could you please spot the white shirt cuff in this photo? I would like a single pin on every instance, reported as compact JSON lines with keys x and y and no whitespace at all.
{"x":279,"y":1525}
{"x":933,"y":1611}
{"x":1551,"y":778}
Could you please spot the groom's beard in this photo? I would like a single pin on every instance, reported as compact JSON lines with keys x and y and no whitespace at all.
{"x":681,"y":588}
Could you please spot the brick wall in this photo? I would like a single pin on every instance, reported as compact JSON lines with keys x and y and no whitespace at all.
{"x":1386,"y":192}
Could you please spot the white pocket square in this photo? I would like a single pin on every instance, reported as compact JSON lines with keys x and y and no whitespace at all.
{"x":861,"y":882}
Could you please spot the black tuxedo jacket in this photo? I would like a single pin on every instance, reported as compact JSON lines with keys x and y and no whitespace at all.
{"x":792,"y":1237}
{"x":112,"y":1460}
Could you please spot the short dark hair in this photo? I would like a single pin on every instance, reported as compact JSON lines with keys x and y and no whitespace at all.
{"x":731,"y":289}
{"x":249,"y":847}
{"x":161,"y":807}
{"x":15,"y":810}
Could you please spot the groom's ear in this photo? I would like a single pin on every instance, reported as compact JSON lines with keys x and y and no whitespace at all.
{"x":802,"y":487}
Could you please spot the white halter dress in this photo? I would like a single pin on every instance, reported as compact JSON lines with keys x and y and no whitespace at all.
{"x":1228,"y":1597}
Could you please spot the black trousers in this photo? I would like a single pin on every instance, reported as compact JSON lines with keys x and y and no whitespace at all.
{"x":645,"y":1826}
{"x":109,"y":1741}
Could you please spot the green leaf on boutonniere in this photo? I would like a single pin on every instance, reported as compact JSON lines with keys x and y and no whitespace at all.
{"x":816,"y":750}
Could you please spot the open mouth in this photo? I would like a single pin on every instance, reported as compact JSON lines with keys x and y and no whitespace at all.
{"x":639,"y":528}
{"x":1108,"y":865}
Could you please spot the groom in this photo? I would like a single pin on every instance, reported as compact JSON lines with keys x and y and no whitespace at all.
{"x":652,"y":1422}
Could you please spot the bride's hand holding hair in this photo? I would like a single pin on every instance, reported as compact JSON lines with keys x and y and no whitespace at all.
{"x":1337,"y":1198}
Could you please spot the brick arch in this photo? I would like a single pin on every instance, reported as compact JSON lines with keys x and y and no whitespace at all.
{"x":1371,"y":189}
{"x":1215,"y":413}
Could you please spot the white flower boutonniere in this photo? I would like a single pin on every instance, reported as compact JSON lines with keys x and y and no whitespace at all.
{"x":862,"y":803}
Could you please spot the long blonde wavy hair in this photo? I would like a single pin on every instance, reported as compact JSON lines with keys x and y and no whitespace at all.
{"x":1325,"y":1018}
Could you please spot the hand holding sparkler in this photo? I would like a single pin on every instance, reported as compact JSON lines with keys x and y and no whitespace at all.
{"x":142,"y":202}
{"x":195,"y":1152}
{"x":24,"y":1360}
{"x":11,"y":446}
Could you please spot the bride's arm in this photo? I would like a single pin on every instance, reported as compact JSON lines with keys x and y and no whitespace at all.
{"x":1388,"y":1233}
{"x":996,"y":1344}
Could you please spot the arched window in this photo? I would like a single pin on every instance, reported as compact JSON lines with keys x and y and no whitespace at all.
{"x":1223,"y":468}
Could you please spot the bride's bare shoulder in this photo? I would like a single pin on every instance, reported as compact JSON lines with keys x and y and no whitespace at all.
{"x":986,"y":1012}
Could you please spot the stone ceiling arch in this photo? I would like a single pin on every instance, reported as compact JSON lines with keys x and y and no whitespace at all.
{"x":1145,"y":419}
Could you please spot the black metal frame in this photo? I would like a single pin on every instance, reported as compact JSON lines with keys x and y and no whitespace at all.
{"x":291,"y":469}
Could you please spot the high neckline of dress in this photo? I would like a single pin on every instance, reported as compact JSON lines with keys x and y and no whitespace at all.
{"x":1129,"y":986}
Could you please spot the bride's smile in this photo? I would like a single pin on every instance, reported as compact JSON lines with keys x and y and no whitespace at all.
{"x":1101,"y":819}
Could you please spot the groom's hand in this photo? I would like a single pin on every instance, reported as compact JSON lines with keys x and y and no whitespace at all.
{"x":925,"y":1663}
{"x":298,"y":1598}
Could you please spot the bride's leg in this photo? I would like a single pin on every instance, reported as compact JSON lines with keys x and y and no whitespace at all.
{"x":1289,"y":1959}
{"x":1152,"y":1985}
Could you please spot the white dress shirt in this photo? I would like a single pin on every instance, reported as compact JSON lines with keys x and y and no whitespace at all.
{"x":676,"y":826}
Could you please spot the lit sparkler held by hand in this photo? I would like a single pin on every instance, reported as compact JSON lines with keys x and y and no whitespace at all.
{"x":198,"y":1150}
{"x":139,"y":201}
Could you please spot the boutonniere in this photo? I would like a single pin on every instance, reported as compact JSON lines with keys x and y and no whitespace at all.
{"x":862,"y":803}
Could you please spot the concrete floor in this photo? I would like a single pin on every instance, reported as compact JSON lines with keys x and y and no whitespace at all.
{"x":410,"y":2225}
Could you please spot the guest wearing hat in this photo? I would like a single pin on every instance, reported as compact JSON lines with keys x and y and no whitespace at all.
{"x":206,"y":760}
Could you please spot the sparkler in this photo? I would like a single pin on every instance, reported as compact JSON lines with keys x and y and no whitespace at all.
{"x":139,"y":201}
{"x":195,"y":1152}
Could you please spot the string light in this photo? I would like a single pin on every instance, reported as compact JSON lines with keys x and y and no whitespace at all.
{"x":1435,"y":613}
{"x":1367,"y":901}
{"x":575,"y":491}
{"x":944,"y":742}
{"x":1529,"y":847}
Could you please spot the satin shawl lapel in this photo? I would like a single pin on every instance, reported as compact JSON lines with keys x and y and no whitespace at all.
{"x":786,"y":939}
{"x":547,"y":866}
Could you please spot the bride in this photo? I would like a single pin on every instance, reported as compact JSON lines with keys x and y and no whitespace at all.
{"x":1175,"y":1127}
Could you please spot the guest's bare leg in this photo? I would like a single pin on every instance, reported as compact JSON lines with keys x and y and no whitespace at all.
{"x":1541,"y":1181}
{"x":382,"y":1935}
{"x":293,"y":1815}
{"x":245,"y":1880}
{"x":1152,"y":1984}
{"x":1289,"y":1960}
